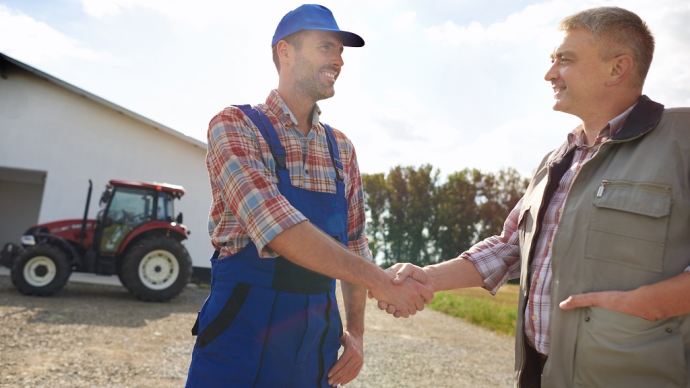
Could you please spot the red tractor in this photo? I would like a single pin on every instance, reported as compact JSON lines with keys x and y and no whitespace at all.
{"x":135,"y":236}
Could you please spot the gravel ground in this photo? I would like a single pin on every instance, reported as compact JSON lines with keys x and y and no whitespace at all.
{"x":100,"y":336}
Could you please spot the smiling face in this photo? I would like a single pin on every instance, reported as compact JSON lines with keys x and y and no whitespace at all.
{"x":578,"y":75}
{"x":317,"y":64}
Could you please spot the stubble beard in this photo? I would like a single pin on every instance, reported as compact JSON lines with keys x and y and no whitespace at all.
{"x":308,"y":82}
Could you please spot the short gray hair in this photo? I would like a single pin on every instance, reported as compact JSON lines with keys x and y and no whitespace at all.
{"x":616,"y":29}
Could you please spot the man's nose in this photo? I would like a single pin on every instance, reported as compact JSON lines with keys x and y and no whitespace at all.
{"x":551,"y":74}
{"x":337,"y":60}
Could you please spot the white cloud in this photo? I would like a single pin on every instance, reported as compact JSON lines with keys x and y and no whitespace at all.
{"x":532,"y":22}
{"x":101,"y":8}
{"x":198,"y":13}
{"x":35,"y":42}
{"x":405,"y":21}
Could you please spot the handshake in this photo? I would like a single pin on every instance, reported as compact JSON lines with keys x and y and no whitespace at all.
{"x":404,"y":291}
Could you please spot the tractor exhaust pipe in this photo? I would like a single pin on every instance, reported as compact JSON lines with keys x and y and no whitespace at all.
{"x":86,"y":214}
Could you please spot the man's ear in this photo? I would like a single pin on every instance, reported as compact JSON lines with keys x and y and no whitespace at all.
{"x":621,"y":67}
{"x":285,"y":52}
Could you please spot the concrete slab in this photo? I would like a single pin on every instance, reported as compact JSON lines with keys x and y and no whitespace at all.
{"x":77,"y":277}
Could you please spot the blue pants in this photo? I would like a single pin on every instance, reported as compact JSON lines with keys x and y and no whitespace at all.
{"x":252,"y":335}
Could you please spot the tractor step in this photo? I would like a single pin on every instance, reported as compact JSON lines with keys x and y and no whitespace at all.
{"x":106,"y":265}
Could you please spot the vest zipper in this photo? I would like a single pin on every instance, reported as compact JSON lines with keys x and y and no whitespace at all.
{"x":644,"y":185}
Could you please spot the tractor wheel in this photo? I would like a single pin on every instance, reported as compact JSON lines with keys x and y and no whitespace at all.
{"x":41,"y":270}
{"x":156,"y":269}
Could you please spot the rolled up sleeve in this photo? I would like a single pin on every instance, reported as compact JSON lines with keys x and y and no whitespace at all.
{"x":357,"y":242}
{"x":240,"y":176}
{"x":497,"y":258}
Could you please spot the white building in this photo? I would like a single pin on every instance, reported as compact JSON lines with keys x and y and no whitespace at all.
{"x":54,"y":137}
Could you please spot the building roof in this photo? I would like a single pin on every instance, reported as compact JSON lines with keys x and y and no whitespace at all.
{"x":6,"y":59}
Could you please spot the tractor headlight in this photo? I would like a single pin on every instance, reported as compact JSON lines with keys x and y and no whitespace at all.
{"x":28,"y":240}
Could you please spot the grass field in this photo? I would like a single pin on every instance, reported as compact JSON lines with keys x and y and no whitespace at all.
{"x":477,"y":306}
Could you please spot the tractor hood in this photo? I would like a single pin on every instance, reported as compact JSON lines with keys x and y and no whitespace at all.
{"x":61,"y":227}
{"x":66,"y":229}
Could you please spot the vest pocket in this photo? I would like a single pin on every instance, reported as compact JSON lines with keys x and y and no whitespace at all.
{"x":629,"y":224}
{"x":620,"y":350}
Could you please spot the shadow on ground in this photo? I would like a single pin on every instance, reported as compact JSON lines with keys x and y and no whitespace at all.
{"x":95,"y":304}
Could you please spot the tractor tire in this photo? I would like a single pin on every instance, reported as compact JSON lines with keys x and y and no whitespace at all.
{"x":156,"y":269}
{"x":41,"y":270}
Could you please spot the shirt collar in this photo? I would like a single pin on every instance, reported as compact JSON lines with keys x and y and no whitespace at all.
{"x":577,"y":138}
{"x":279,"y":108}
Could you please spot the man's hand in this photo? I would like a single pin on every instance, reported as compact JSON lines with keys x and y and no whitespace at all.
{"x":350,"y":362}
{"x":602,"y":299}
{"x":401,"y":272}
{"x":408,"y":297}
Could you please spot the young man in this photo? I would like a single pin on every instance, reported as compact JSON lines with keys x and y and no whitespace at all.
{"x":287,"y":218}
{"x":600,"y":240}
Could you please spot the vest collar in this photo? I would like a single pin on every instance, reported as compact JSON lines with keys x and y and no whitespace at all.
{"x":643,"y":118}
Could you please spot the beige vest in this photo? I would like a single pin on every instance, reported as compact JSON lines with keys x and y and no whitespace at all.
{"x":625,"y":223}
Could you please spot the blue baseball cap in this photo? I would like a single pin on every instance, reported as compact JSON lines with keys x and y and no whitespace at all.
{"x":313,"y":17}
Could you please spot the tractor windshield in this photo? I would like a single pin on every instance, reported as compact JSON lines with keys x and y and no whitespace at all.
{"x":129,"y":208}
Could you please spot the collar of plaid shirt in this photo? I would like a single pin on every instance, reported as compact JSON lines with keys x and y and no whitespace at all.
{"x":276,"y":104}
{"x":578,"y":139}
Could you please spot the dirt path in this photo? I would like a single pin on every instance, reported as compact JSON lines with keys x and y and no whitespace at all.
{"x":100,"y":336}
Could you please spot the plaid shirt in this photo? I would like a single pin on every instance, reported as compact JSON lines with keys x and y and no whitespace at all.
{"x":247,"y":205}
{"x":498,"y":258}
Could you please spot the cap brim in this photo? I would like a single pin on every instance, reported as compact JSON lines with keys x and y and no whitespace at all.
{"x":351,"y":39}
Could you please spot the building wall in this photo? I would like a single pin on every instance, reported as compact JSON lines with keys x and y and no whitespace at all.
{"x":46,"y":127}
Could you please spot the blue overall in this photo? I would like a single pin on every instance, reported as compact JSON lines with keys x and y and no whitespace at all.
{"x":269,"y":323}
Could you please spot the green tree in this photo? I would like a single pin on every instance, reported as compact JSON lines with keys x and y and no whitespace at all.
{"x":412,"y":218}
{"x":410,"y":213}
{"x":499,"y":193}
{"x":456,"y":214}
{"x":376,"y":199}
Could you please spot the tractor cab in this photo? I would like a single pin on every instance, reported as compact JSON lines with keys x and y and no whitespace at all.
{"x":128,"y":205}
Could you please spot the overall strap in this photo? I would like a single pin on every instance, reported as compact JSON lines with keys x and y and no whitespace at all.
{"x":269,"y":133}
{"x":335,"y":158}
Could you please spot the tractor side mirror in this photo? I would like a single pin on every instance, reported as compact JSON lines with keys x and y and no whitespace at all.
{"x":178,"y":219}
{"x":105,"y":197}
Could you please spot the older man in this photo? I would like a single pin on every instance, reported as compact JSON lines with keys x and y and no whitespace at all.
{"x":603,"y":229}
{"x":287,"y":217}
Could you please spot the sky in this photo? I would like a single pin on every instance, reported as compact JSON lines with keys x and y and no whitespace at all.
{"x":452,"y":83}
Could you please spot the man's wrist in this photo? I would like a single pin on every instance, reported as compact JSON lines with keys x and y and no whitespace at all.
{"x":356,"y":331}
{"x":378,"y":279}
{"x":430,"y":271}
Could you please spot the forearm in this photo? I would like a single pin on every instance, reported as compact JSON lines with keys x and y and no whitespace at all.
{"x":354,"y":299}
{"x":307,"y":246}
{"x":452,"y":274}
{"x":660,"y":300}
